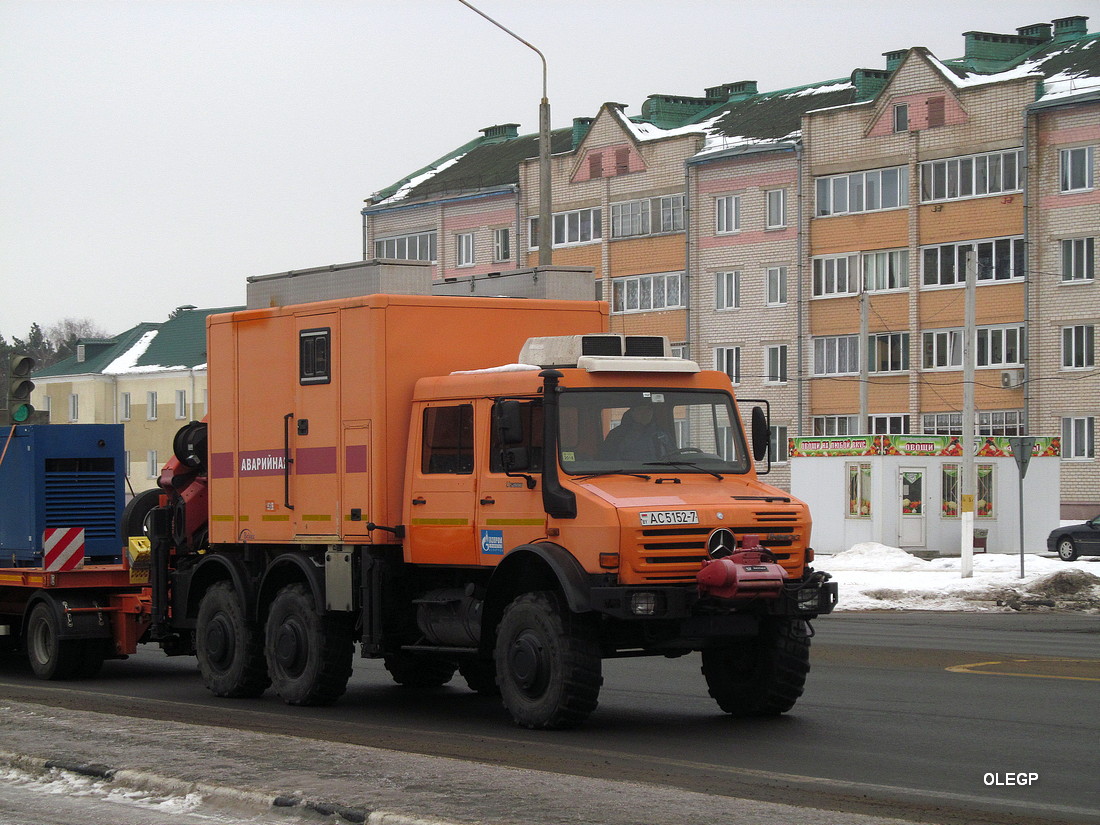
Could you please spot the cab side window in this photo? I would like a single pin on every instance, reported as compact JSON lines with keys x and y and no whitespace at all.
{"x":530,"y":415}
{"x":448,"y":440}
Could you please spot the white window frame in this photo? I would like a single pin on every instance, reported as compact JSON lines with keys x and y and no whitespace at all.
{"x":418,"y":246}
{"x":577,"y":227}
{"x":775,"y":364}
{"x":778,"y":446}
{"x":1075,"y":169}
{"x":727,"y":215}
{"x":995,"y":345}
{"x":152,"y":466}
{"x":728,"y":360}
{"x":124,"y":406}
{"x":836,"y":275}
{"x":948,"y":268}
{"x":890,"y":348}
{"x":464,"y":249}
{"x":647,"y":293}
{"x":836,"y":355}
{"x":670,"y":213}
{"x":181,"y":404}
{"x":865,"y":191}
{"x":888,"y":424}
{"x":941,"y":349}
{"x":777,"y":286}
{"x":885,"y":270}
{"x":1078,"y":260}
{"x":901,"y":117}
{"x":151,"y":406}
{"x":1078,"y":438}
{"x":630,"y":219}
{"x":1078,"y":347}
{"x":971,"y":176}
{"x":776,"y":211}
{"x":74,"y":407}
{"x":827,"y":425}
{"x":502,"y":245}
{"x":727,"y":290}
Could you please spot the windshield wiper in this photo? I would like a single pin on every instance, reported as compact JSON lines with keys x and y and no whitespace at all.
{"x":688,"y":464}
{"x":642,"y":476}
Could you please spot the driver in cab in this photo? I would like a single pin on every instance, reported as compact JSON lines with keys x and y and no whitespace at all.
{"x":638,"y":437}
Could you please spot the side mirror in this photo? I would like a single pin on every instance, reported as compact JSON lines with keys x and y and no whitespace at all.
{"x":509,"y":422}
{"x":761,"y":436}
{"x":516,"y":459}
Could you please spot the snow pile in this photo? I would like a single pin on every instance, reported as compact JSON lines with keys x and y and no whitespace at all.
{"x":873,"y":576}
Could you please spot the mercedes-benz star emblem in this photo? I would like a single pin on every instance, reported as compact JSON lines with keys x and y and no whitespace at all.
{"x":721,"y":543}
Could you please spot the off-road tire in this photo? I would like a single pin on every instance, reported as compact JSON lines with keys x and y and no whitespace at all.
{"x":548,"y":662}
{"x":763,"y":675}
{"x":308,"y":655}
{"x":419,"y":671}
{"x":229,"y":647}
{"x":1067,"y":549}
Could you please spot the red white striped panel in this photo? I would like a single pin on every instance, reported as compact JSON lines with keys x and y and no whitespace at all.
{"x":64,"y":548}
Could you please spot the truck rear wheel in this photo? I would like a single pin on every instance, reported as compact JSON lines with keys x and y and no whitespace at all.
{"x":761,"y":676}
{"x":548,"y":662}
{"x":228,"y":647}
{"x":50,"y":656}
{"x":308,"y":655}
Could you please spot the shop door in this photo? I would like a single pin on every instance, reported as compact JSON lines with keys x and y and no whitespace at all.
{"x":911,"y":523}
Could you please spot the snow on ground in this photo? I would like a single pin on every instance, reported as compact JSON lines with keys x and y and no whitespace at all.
{"x":873,"y":576}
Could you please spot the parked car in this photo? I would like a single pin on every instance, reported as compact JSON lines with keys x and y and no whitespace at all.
{"x":1075,"y":540}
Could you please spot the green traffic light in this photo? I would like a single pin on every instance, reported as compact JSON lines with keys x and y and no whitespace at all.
{"x":21,"y":413}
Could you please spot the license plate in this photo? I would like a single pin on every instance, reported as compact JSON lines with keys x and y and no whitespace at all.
{"x":660,"y":517}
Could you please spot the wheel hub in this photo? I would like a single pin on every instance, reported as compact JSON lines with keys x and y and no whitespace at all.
{"x":219,"y":641}
{"x":290,"y":647}
{"x":527,"y":662}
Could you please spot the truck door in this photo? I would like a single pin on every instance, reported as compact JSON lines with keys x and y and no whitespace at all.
{"x":443,"y":487}
{"x":314,"y":429}
{"x":510,"y":509}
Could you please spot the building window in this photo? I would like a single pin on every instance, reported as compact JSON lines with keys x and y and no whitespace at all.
{"x":577,"y":227}
{"x":1000,"y":346}
{"x":1078,"y":351}
{"x":417,"y":247}
{"x":502,"y":245}
{"x":151,"y":406}
{"x":777,"y":208}
{"x":644,"y":293}
{"x":901,"y":117}
{"x":990,"y":423}
{"x":124,"y":406}
{"x":1078,"y":438}
{"x":464,"y":249}
{"x":859,"y":490}
{"x":672,"y":212}
{"x":1078,"y":259}
{"x":727,"y":214}
{"x":836,"y":424}
{"x":727,"y":290}
{"x":776,"y":360}
{"x":888,"y":424}
{"x":836,"y":355}
{"x":1076,"y":169}
{"x":888,"y":352}
{"x":152,"y":465}
{"x":863,"y":191}
{"x":74,"y":407}
{"x":728,"y":360}
{"x":884,"y":271}
{"x":181,"y":404}
{"x":996,"y":259}
{"x":942,"y":349}
{"x":777,"y":286}
{"x":314,"y":356}
{"x":777,"y":445}
{"x":971,"y":176}
{"x":835,"y":275}
{"x":645,"y":217}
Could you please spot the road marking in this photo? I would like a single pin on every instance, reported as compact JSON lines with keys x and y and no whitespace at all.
{"x":1090,"y":665}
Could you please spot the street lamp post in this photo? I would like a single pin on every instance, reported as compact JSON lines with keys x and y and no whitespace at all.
{"x":545,"y":202}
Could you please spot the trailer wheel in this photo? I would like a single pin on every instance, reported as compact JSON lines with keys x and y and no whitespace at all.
{"x":419,"y":671}
{"x":480,"y":676}
{"x":308,"y":655}
{"x":548,"y":662}
{"x":228,"y":647}
{"x":50,"y":656}
{"x":761,"y":676}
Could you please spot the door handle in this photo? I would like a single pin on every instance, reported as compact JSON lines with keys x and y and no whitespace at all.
{"x":419,"y":500}
{"x":488,"y":501}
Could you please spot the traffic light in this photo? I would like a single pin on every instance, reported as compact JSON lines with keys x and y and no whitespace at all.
{"x":20,"y":387}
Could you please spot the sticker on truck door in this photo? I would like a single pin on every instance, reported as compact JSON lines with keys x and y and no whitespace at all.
{"x":661,"y":517}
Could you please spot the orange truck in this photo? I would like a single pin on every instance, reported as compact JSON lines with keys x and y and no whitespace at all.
{"x":493,"y":486}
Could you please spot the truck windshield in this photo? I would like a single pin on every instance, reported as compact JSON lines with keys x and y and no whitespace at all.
{"x":650,"y":431}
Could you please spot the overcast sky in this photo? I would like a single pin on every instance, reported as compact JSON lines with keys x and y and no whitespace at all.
{"x":157,"y":153}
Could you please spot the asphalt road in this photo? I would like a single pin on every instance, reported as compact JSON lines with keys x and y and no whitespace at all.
{"x":950,"y":718}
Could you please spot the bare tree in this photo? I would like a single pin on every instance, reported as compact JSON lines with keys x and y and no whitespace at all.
{"x":65,"y":334}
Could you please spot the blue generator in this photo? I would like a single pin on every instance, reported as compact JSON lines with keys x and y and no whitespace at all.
{"x":61,"y":477}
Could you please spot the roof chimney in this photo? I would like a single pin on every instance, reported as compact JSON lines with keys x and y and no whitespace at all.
{"x":1071,"y":27}
{"x":496,"y":134}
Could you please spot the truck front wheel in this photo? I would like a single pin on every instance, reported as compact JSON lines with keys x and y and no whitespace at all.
{"x":761,"y":676}
{"x":547,"y":662}
{"x":228,"y":647}
{"x":308,"y":655}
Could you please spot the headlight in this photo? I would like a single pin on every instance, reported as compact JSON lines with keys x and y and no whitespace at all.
{"x":643,"y":604}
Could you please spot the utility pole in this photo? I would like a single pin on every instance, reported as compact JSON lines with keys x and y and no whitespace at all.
{"x":969,"y":469}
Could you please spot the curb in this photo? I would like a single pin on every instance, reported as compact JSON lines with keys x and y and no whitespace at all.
{"x":220,"y":795}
